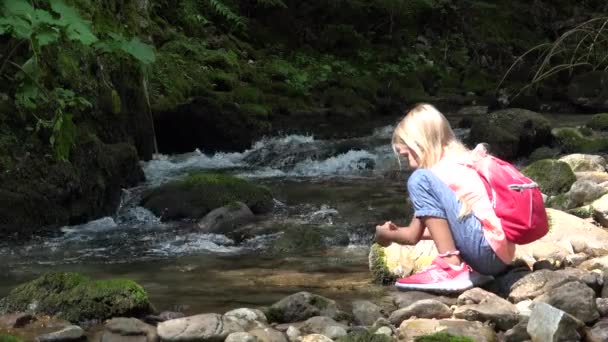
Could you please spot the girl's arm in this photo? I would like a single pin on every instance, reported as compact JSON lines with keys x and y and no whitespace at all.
{"x":410,"y":235}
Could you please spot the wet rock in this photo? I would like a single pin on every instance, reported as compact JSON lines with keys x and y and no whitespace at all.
{"x":477,"y":331}
{"x":324,"y":326}
{"x":585,"y":162}
{"x":316,"y":338}
{"x":518,"y":333}
{"x":426,"y":308}
{"x":550,"y":324}
{"x":226,"y":219}
{"x":472,"y":110}
{"x":118,"y":329}
{"x":404,"y":299}
{"x":366,"y":312}
{"x":69,"y":333}
{"x":16,"y":320}
{"x":585,"y":191}
{"x":268,"y":335}
{"x":599,"y":332}
{"x":536,"y":284}
{"x":301,"y":306}
{"x":479,"y":305}
{"x":602,"y":306}
{"x":574,"y":298}
{"x":199,"y":327}
{"x":241,"y":337}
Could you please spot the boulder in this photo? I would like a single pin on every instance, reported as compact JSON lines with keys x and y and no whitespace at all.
{"x":511,"y":132}
{"x":585,"y":162}
{"x":550,"y":324}
{"x":425,"y":308}
{"x":195,"y":195}
{"x":77,"y":298}
{"x":396,"y":261}
{"x":225,"y":220}
{"x":553,"y":176}
{"x":203,"y":327}
{"x":479,"y":305}
{"x":301,"y":306}
{"x":575,"y":298}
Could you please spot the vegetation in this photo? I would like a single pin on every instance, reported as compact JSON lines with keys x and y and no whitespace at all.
{"x":443,"y":337}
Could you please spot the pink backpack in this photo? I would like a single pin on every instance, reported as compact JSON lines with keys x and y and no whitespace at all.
{"x":516,"y":199}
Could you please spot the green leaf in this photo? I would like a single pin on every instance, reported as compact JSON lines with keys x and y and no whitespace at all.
{"x":17,"y":7}
{"x":27,"y":96}
{"x":63,"y":137}
{"x":141,"y":51}
{"x":77,"y":28}
{"x":44,"y":17}
{"x":46,"y":37}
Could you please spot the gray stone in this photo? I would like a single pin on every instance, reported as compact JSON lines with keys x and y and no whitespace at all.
{"x":241,"y":337}
{"x":15,"y":320}
{"x":199,"y":327}
{"x":293,"y":333}
{"x":69,"y":333}
{"x":366,"y":312}
{"x":602,"y":306}
{"x":324,"y":326}
{"x":477,"y":331}
{"x":316,"y":338}
{"x":479,"y":305}
{"x":585,"y":162}
{"x":574,"y":298}
{"x":585,"y":191}
{"x":268,"y":335}
{"x":384,"y":331}
{"x":404,"y":299}
{"x":226,"y":219}
{"x":536,"y":284}
{"x":548,"y":324}
{"x":599,"y":332}
{"x":426,"y":308}
{"x":301,"y":306}
{"x":248,"y":318}
{"x":518,"y":333}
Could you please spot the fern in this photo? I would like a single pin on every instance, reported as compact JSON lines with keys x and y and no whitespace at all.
{"x":224,"y":11}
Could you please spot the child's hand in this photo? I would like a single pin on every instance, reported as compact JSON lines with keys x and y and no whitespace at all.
{"x":384,"y":233}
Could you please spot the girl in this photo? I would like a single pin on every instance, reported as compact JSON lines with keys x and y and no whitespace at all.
{"x":451,"y":206}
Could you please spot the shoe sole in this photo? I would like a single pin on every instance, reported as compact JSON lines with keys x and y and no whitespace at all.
{"x":446,"y":286}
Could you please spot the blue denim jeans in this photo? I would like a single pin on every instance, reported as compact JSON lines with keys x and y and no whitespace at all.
{"x":432,"y":197}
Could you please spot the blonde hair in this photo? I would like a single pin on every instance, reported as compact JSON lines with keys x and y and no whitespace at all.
{"x":429,"y":135}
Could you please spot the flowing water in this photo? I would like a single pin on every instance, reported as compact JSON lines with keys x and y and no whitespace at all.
{"x":349,"y":185}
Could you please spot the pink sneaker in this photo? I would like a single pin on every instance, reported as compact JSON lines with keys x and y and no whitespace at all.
{"x":438,"y":277}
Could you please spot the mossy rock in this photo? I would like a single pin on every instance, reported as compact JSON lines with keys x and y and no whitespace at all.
{"x":389,"y":263}
{"x":76,"y":298}
{"x":364,"y":336}
{"x":443,"y":337}
{"x":197,"y":194}
{"x":512,"y":132}
{"x":553,"y":176}
{"x":10,"y":338}
{"x":309,"y":238}
{"x":599,"y":122}
{"x":570,"y":140}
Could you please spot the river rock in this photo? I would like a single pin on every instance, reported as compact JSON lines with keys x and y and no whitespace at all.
{"x":199,"y":327}
{"x":585,"y":162}
{"x":325,"y":326}
{"x":301,"y":306}
{"x":69,"y":333}
{"x":585,"y":191}
{"x":366,"y":312}
{"x":226,"y":219}
{"x":241,"y":337}
{"x":479,"y":305}
{"x":599,"y":332}
{"x":268,"y":335}
{"x":396,"y":261}
{"x":406,"y":298}
{"x":602,"y":306}
{"x":518,"y":333}
{"x":293,"y":334}
{"x":550,"y":324}
{"x":477,"y":331}
{"x":425,"y":308}
{"x":594,"y":176}
{"x":248,"y":318}
{"x":15,"y":320}
{"x":570,"y":232}
{"x":574,"y":298}
{"x":119,"y":329}
{"x":537,"y":283}
{"x":599,"y":210}
{"x":316,"y":338}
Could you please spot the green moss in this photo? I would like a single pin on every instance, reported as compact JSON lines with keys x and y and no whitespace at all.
{"x":116,"y":103}
{"x":377,"y":265}
{"x":197,"y":194}
{"x":9,"y":338}
{"x":561,"y":202}
{"x":307,"y":239}
{"x":74,"y":297}
{"x":553,"y":176}
{"x":582,"y":212}
{"x":599,"y":122}
{"x":364,"y":336}
{"x":572,"y":141}
{"x":256,"y":110}
{"x":443,"y":337}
